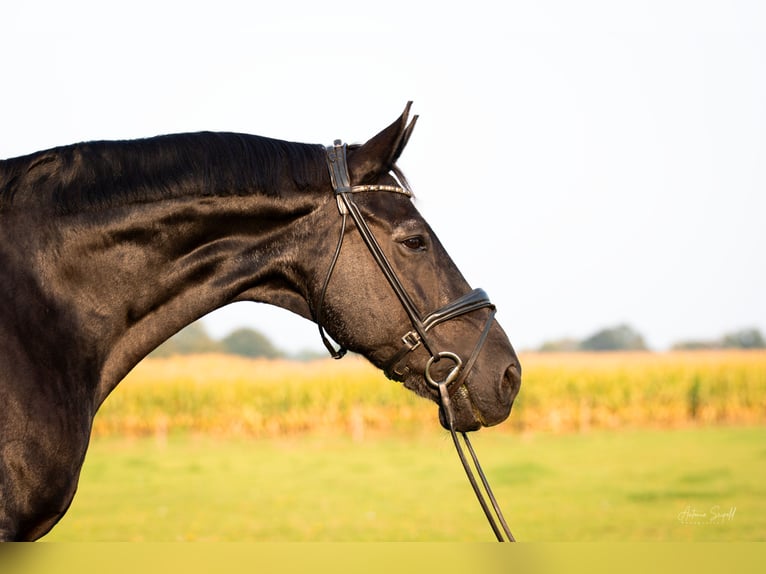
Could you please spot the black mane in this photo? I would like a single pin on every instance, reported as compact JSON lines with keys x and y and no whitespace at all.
{"x":108,"y":173}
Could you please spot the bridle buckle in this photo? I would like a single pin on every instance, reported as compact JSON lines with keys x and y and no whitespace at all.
{"x":412,"y":340}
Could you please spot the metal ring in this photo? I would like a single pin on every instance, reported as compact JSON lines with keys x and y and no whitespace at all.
{"x":451,"y":376}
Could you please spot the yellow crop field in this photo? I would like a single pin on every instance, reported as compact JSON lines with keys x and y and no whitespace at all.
{"x":579,"y":391}
{"x":224,"y":395}
{"x":234,"y":396}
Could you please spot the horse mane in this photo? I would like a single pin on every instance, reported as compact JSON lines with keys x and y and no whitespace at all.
{"x":102,"y":174}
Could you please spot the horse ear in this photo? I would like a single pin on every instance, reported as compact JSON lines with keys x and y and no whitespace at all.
{"x":379,"y":154}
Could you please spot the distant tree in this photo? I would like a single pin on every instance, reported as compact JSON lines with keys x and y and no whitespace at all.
{"x":695,"y":345}
{"x":560,"y":346}
{"x":250,"y":343}
{"x":308,"y":355}
{"x":620,"y":338}
{"x":744,"y":339}
{"x":188,"y":341}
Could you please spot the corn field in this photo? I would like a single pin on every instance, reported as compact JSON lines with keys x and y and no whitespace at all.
{"x":224,"y":395}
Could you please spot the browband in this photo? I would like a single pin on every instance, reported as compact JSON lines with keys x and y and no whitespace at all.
{"x":336,"y":161}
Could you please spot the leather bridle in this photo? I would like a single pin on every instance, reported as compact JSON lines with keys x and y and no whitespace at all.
{"x":396,"y":367}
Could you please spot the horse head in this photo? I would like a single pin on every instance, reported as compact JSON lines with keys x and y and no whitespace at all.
{"x":393,"y":294}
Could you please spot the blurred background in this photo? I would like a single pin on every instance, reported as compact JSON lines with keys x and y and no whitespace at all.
{"x":596,"y":166}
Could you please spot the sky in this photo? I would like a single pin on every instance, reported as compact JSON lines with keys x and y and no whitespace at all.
{"x":587,"y":163}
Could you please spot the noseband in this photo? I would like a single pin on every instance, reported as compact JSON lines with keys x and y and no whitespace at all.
{"x":418,"y":336}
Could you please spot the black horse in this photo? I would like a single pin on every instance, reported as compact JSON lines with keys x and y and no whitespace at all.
{"x":109,"y":248}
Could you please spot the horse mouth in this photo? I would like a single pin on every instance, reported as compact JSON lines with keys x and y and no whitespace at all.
{"x":466,"y":416}
{"x":465,"y":395}
{"x":470,"y":413}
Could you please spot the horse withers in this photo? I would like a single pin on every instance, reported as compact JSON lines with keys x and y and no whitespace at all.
{"x":109,"y":248}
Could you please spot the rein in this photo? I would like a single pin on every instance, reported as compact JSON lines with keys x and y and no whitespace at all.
{"x":418,"y":335}
{"x":447,"y":407}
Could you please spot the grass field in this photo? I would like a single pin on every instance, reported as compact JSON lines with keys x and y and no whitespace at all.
{"x":599,"y":447}
{"x":639,"y":485}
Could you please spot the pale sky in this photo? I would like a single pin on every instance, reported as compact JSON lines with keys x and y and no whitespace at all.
{"x":587,"y":163}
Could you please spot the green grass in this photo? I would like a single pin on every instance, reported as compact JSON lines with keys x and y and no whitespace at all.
{"x":599,"y":486}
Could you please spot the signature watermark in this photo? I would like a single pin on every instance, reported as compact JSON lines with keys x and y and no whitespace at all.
{"x":714,"y":516}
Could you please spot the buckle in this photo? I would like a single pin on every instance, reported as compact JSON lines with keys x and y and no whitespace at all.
{"x":412,"y":340}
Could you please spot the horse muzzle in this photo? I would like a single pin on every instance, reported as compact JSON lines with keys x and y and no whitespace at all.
{"x":475,"y":404}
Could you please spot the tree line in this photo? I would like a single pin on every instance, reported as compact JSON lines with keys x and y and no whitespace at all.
{"x":245,"y":342}
{"x":194,"y":340}
{"x":625,"y":338}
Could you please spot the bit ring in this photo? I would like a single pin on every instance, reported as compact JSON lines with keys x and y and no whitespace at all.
{"x":451,"y":376}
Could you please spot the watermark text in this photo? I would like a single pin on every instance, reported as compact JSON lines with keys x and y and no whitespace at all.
{"x":714,"y":516}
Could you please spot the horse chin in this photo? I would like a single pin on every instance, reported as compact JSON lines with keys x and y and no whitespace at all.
{"x":465,"y":416}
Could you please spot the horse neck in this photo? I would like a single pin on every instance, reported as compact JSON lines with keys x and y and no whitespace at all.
{"x":125,"y":279}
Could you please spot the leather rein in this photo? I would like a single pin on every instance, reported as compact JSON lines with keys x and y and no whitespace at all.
{"x":419,"y":334}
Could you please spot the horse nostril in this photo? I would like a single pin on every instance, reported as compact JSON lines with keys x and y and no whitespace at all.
{"x":510,"y":383}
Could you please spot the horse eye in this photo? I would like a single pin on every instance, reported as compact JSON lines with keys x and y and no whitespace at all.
{"x":416,"y":243}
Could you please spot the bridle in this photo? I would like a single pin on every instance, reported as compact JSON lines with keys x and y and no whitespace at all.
{"x":396,"y":367}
